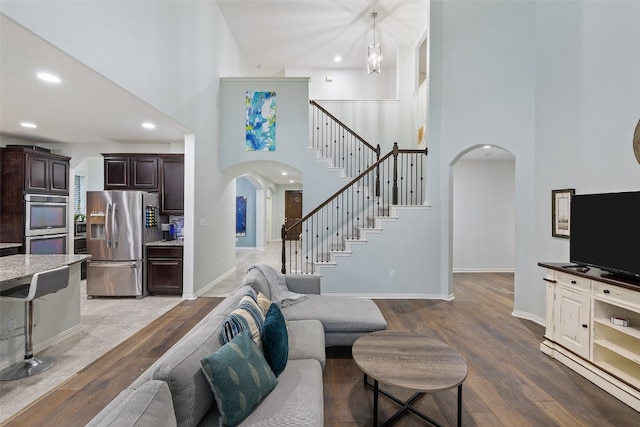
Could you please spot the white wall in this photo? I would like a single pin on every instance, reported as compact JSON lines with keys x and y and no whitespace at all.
{"x":171,"y":55}
{"x":348,"y":84}
{"x":292,"y":124}
{"x":395,"y":263}
{"x":483,"y":216}
{"x":481,"y":89}
{"x":554,"y":83}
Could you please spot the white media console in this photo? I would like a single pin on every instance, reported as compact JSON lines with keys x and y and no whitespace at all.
{"x":581,"y":334}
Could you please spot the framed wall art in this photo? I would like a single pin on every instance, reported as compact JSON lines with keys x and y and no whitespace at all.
{"x":561,"y":212}
{"x":260,"y":128}
{"x":241,"y":216}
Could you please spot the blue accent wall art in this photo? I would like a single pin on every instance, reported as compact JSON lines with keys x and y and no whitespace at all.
{"x":241,"y":216}
{"x":261,"y":121}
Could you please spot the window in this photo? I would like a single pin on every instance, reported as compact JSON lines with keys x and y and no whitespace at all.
{"x":79,"y":195}
{"x":422,"y":62}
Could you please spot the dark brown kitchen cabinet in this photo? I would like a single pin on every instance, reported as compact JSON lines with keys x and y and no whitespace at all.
{"x":35,"y":171}
{"x":80,"y":247}
{"x":164,"y":270}
{"x":163,"y":173}
{"x":27,"y":170}
{"x":144,"y":173}
{"x":116,"y":173}
{"x":130,"y":172}
{"x":172,"y":185}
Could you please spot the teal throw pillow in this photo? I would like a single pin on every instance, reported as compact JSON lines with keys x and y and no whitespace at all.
{"x":275,"y":340}
{"x":239,"y":377}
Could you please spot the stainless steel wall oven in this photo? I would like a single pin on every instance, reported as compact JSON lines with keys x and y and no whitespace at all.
{"x":46,"y":224}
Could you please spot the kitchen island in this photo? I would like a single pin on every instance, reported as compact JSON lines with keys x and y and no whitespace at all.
{"x":56,"y":316}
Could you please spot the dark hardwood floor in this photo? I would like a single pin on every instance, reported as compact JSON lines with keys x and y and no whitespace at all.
{"x":510,"y":382}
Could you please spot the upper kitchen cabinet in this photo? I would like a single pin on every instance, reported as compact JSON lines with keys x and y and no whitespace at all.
{"x":130,"y":172}
{"x":163,"y":173}
{"x":28,"y":170}
{"x":172,"y":185}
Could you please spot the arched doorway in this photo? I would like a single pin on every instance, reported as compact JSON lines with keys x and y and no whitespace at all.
{"x":483,"y":211}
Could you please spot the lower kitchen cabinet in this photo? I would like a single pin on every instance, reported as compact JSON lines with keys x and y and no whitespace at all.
{"x":164,"y":270}
{"x":80,"y":247}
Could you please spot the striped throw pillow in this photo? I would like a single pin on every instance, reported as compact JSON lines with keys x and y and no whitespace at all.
{"x":249,"y":316}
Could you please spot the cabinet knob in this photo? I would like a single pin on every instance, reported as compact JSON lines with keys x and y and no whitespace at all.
{"x":573,"y":282}
{"x":584,"y":325}
{"x":606,"y":291}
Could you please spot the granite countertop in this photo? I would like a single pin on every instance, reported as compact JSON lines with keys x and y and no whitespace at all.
{"x":17,"y":268}
{"x":166,"y":243}
{"x":10,"y":245}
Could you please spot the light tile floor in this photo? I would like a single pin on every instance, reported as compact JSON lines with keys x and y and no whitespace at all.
{"x":105,"y":323}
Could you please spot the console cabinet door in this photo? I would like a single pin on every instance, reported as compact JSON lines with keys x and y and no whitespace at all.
{"x":572,"y":317}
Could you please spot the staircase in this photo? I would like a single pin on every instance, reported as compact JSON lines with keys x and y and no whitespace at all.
{"x":377,"y":186}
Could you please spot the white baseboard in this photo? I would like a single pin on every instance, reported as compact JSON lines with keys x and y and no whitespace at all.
{"x":529,"y":316}
{"x":483,"y":270}
{"x":392,"y":296}
{"x":210,"y":285}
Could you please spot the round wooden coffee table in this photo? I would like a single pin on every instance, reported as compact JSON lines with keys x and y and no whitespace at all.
{"x":412,"y":361}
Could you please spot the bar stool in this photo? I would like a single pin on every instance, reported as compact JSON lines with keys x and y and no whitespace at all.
{"x":43,"y":283}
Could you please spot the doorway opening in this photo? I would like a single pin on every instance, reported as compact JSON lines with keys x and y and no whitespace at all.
{"x":483,"y":211}
{"x":293,"y":213}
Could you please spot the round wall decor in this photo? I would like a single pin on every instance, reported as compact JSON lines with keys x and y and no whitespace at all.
{"x":636,"y":142}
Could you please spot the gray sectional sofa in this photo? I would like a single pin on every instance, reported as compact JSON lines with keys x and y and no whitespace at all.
{"x":175,"y":391}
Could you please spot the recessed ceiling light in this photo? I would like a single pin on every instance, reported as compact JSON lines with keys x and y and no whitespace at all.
{"x":148,"y":125}
{"x":28,"y":125}
{"x":290,"y":181}
{"x":337,"y":58}
{"x":48,"y":77}
{"x":486,"y":147}
{"x":284,"y":173}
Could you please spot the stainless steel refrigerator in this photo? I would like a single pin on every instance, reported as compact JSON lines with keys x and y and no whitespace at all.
{"x":119,"y":223}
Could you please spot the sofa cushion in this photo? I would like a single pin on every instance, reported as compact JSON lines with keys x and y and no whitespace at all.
{"x":248,"y":315}
{"x":239,"y":377}
{"x":306,"y":340}
{"x":148,"y":406}
{"x":275,"y":340}
{"x":338,"y":314}
{"x":297,"y":400}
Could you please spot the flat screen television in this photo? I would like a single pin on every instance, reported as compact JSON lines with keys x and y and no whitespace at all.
{"x":605,"y":232}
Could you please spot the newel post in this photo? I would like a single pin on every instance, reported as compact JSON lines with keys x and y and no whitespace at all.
{"x":283,"y":233}
{"x":394,"y":194}
{"x":378,"y":171}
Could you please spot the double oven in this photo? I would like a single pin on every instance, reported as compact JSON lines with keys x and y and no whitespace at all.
{"x":46,"y":224}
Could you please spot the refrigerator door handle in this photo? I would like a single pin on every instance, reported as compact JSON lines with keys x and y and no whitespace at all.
{"x":113,"y":264}
{"x":108,"y":225}
{"x":114,"y":225}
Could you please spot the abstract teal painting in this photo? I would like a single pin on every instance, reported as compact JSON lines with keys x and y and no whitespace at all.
{"x":261,"y":121}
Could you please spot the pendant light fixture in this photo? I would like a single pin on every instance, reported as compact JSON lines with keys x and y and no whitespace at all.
{"x":374,"y":57}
